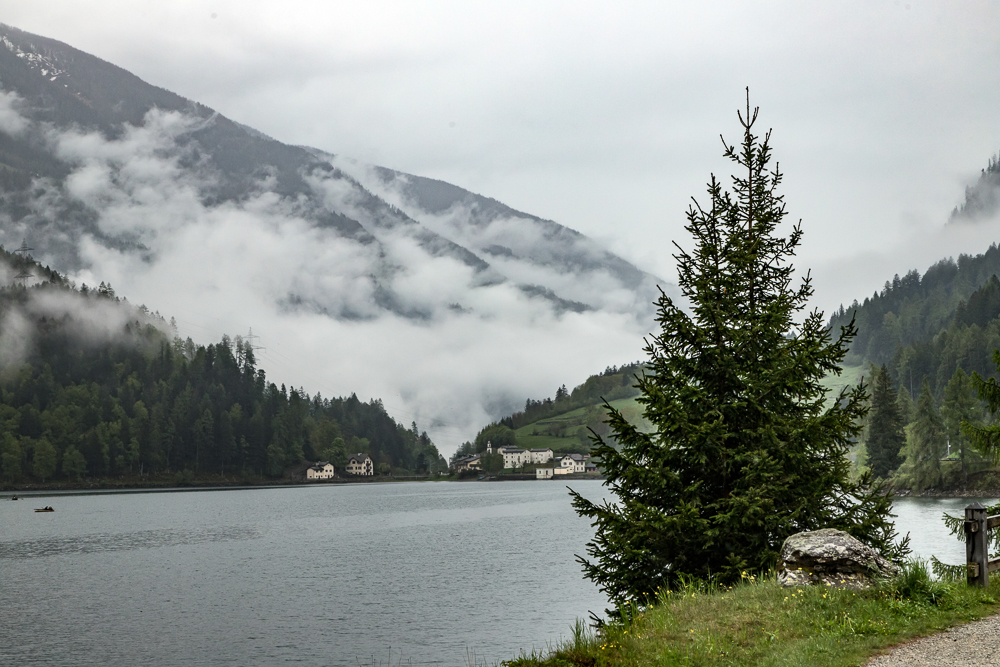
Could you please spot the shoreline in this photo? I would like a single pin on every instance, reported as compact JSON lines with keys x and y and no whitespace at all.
{"x":96,"y":488}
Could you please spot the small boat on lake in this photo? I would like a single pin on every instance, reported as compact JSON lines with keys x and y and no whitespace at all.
{"x":45,"y":509}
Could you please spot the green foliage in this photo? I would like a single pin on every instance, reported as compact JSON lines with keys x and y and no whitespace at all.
{"x":986,"y":438}
{"x":500,"y":435}
{"x":904,"y":403}
{"x":885,"y":427}
{"x":491,"y":463}
{"x":925,"y":446}
{"x":744,"y":452}
{"x":10,"y":457}
{"x":134,"y":401}
{"x":74,"y":466}
{"x":961,"y":405}
{"x":45,"y":459}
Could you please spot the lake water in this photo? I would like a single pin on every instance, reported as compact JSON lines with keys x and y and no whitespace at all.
{"x":324,"y":575}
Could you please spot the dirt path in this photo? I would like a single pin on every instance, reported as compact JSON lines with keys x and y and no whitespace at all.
{"x":976,"y":644}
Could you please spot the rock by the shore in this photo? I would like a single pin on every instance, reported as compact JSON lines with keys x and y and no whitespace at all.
{"x":830,"y":557}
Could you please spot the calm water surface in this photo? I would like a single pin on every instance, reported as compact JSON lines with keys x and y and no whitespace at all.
{"x":328,"y":575}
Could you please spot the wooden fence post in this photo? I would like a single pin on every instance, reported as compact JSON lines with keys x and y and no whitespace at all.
{"x":976,"y":546}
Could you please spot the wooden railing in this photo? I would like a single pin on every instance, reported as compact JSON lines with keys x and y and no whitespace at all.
{"x":977,"y":559}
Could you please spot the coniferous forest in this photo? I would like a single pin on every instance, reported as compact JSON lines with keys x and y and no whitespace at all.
{"x":92,"y":386}
{"x":921,"y":343}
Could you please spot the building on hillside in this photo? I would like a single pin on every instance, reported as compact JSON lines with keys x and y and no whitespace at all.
{"x":360,"y":464}
{"x":544,"y":473}
{"x":514,"y":457}
{"x":470,"y":462}
{"x":540,"y":455}
{"x":571,"y":463}
{"x":322,"y":470}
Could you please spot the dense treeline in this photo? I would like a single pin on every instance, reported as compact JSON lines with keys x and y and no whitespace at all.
{"x":614,"y":383}
{"x":915,"y":308}
{"x":93,"y":386}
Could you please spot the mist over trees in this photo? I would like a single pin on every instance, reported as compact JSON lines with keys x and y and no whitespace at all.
{"x":132,"y":400}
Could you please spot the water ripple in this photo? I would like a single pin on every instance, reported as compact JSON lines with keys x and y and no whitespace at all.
{"x":104,"y":542}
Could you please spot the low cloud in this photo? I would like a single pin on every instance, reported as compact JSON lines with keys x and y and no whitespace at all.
{"x":391,"y":319}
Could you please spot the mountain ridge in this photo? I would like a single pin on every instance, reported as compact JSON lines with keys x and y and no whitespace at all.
{"x":53,"y":88}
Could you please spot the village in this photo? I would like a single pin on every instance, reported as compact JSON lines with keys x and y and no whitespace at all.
{"x":545,"y":463}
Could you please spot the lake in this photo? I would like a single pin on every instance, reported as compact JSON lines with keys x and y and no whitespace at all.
{"x":427,"y":573}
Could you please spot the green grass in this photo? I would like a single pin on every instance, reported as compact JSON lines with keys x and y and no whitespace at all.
{"x":848,"y":377}
{"x":759,"y":623}
{"x":577,"y":435}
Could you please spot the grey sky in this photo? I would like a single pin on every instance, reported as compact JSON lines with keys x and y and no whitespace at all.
{"x":604,"y":116}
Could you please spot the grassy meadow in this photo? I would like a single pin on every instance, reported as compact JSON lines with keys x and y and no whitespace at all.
{"x":757,"y":623}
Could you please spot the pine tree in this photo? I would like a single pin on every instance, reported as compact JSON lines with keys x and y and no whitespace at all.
{"x":905,"y":404}
{"x":925,"y":445}
{"x":960,"y":405}
{"x":744,"y":452}
{"x":986,"y":439}
{"x":885,"y":427}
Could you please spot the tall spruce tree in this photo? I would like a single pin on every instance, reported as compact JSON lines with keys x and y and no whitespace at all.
{"x":885,"y":427}
{"x":745,"y":452}
{"x":960,"y":405}
{"x":925,"y":445}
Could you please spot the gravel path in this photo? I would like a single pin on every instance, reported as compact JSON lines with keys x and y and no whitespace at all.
{"x":975,"y":644}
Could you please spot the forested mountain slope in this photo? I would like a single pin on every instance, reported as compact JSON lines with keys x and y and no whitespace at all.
{"x":93,"y":386}
{"x":914,"y":308}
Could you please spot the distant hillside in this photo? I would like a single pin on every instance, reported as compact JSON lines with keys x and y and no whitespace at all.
{"x":914,"y":308}
{"x":92,"y":386}
{"x":982,"y":199}
{"x":563,"y":422}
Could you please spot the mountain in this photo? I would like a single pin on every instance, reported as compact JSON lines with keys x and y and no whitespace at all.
{"x":92,"y":386}
{"x":92,"y":157}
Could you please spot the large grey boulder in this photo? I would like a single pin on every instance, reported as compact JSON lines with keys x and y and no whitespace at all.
{"x":830,"y":557}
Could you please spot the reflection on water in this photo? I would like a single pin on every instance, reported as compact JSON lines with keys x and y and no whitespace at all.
{"x":143,"y":539}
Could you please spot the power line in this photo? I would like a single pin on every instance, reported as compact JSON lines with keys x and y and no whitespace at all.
{"x":25,"y":253}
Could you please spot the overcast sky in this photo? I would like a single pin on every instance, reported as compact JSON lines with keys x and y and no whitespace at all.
{"x":602,"y":116}
{"x":605,"y":116}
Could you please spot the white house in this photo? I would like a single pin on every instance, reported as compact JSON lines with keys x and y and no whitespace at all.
{"x":360,"y":464}
{"x":540,"y":455}
{"x":322,"y":470}
{"x":544,"y":473}
{"x":514,"y":457}
{"x":571,"y":463}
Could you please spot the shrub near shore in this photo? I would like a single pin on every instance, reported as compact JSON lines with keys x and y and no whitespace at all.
{"x":757,"y":622}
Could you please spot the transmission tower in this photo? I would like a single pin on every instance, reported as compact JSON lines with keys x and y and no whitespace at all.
{"x":24,"y":252}
{"x":249,"y":339}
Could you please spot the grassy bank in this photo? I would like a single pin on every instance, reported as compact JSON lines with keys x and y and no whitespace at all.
{"x":760,"y":623}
